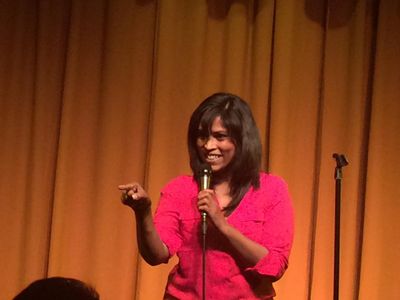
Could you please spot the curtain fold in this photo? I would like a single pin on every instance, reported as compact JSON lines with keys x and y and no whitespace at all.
{"x":98,"y":93}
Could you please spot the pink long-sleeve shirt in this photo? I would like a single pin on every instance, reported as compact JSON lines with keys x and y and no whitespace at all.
{"x":264,"y":215}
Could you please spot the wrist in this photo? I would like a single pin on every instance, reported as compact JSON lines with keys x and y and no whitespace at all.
{"x":224,"y":227}
{"x":142,"y":209}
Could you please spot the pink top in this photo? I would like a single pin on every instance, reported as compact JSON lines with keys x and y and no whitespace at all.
{"x":264,"y":215}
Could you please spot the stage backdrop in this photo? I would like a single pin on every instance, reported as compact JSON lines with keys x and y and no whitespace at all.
{"x":97,"y":93}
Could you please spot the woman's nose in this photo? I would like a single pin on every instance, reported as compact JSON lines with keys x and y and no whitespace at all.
{"x":209,"y":143}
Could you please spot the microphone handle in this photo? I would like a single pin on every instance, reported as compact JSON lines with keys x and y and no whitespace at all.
{"x":204,"y":222}
{"x":205,"y":184}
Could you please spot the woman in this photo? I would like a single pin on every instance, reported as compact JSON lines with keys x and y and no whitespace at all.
{"x":249,"y":213}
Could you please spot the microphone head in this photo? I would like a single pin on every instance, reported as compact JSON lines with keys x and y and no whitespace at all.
{"x":205,"y":169}
{"x":205,"y":176}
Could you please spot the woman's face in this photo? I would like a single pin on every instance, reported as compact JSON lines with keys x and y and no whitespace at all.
{"x":217,"y":149}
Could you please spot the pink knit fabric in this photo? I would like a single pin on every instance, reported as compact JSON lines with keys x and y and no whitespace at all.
{"x":264,"y":215}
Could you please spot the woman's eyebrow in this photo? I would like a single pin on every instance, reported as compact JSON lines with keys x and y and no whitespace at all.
{"x":219,"y":132}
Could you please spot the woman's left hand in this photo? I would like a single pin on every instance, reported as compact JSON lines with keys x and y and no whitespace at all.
{"x":251,"y":251}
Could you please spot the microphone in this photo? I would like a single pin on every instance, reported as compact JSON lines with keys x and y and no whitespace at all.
{"x":205,"y":176}
{"x":205,"y":179}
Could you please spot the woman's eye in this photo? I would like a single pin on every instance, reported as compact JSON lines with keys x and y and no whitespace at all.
{"x":202,"y":137}
{"x":221,"y":136}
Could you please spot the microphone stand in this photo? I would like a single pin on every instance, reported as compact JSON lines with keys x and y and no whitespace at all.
{"x":205,"y":180}
{"x":340,"y":162}
{"x":204,"y":234}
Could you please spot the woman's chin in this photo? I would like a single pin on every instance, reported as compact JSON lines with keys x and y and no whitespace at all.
{"x":219,"y":172}
{"x":216,"y":168}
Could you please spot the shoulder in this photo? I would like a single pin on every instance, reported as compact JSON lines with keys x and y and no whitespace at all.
{"x":274,"y":187}
{"x":274,"y":190}
{"x":271,"y":181}
{"x":180,"y":184}
{"x":186,"y":180}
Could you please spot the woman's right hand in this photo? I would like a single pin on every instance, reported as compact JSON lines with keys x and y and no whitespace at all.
{"x":134,"y":196}
{"x":207,"y":202}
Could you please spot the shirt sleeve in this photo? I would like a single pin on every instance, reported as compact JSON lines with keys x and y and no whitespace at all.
{"x":277,"y":232}
{"x":166,"y":218}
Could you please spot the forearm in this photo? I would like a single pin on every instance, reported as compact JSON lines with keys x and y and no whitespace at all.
{"x":249,"y":250}
{"x":150,"y":245}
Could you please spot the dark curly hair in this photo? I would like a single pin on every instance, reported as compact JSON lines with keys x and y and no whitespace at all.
{"x":60,"y":288}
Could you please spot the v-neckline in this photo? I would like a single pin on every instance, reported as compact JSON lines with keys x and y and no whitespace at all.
{"x":240,"y":204}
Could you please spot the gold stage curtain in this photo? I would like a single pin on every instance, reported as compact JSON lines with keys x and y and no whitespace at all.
{"x":97,"y":93}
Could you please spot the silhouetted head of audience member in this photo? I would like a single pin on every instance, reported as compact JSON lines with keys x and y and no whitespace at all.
{"x":58,"y":288}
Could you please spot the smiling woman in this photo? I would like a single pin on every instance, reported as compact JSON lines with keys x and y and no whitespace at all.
{"x":223,"y":124}
{"x":250,"y":212}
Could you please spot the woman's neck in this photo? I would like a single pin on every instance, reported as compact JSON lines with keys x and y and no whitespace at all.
{"x":222,"y":188}
{"x":222,"y":191}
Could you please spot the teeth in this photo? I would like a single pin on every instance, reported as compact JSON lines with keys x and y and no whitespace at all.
{"x":213,"y":156}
